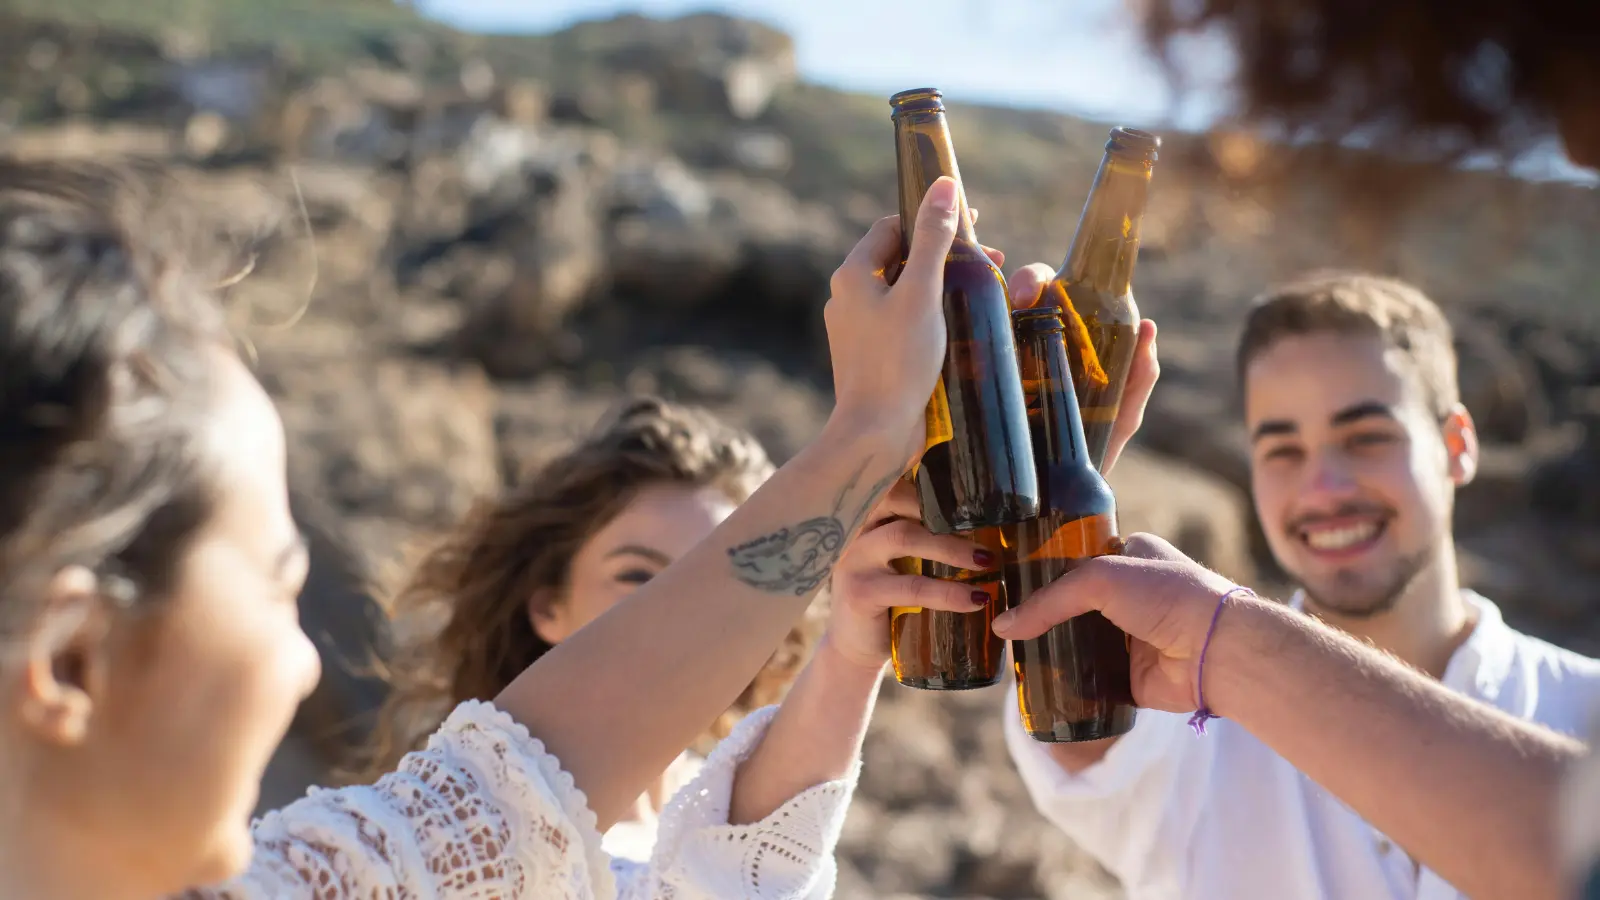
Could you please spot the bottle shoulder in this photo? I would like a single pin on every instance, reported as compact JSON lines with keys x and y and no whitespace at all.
{"x":1090,"y":302}
{"x":1075,"y":492}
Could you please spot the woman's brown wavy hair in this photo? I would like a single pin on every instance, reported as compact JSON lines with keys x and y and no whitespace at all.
{"x":461,"y":614}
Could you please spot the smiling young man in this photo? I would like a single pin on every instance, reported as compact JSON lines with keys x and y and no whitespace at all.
{"x":1359,"y":442}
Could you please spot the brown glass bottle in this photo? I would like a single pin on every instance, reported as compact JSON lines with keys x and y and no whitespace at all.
{"x":977,"y":473}
{"x":1094,"y":287}
{"x":1073,"y":681}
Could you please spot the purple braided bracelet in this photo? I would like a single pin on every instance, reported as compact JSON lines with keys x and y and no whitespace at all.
{"x":1203,"y":712}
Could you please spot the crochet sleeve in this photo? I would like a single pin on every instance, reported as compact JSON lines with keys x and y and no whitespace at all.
{"x":482,"y":812}
{"x":699,"y":856}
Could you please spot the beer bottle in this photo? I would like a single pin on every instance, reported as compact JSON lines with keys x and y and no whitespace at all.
{"x":1093,"y":290}
{"x":977,"y":473}
{"x":1073,"y":681}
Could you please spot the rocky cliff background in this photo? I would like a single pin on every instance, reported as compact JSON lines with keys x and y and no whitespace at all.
{"x":485,"y":241}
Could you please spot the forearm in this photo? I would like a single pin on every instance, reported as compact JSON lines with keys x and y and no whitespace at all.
{"x":814,"y":738}
{"x":1469,"y":791}
{"x":618,"y":700}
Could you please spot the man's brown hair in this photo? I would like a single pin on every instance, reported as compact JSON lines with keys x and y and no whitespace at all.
{"x":1360,"y":304}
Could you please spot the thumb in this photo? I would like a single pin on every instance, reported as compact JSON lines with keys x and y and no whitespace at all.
{"x":931,"y":237}
{"x":1070,"y":595}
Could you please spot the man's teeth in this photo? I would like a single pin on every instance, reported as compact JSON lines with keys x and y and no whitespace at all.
{"x":1341,"y":538}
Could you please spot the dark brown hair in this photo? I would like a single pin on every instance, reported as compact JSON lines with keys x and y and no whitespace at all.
{"x":1356,"y":303}
{"x":105,"y":336}
{"x":465,"y":602}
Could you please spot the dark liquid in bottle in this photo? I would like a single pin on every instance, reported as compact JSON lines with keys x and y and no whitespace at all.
{"x":1101,"y":336}
{"x":1073,"y":680}
{"x":945,"y":651}
{"x":983,"y":475}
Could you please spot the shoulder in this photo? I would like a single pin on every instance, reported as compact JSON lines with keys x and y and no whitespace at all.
{"x":1565,"y":685}
{"x":483,"y":803}
{"x":1554,"y":663}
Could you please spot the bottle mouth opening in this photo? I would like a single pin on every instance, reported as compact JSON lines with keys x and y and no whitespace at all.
{"x":917,"y":100}
{"x":1133,"y":141}
{"x":1044,"y":317}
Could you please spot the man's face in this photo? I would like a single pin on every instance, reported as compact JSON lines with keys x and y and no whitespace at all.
{"x":1353,"y":475}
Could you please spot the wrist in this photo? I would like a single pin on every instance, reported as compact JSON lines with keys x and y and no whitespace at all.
{"x":1248,"y":631}
{"x":875,"y":431}
{"x":836,"y":660}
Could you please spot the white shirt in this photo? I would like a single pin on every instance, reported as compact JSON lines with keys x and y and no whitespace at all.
{"x":1223,"y":817}
{"x":484,"y":811}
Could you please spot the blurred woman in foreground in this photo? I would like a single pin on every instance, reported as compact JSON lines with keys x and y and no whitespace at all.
{"x":149,"y":566}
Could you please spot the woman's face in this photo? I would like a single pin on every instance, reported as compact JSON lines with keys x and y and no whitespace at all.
{"x":661,"y":523}
{"x":184,"y":701}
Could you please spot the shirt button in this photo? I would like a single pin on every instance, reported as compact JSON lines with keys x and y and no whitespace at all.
{"x":1384,"y":846}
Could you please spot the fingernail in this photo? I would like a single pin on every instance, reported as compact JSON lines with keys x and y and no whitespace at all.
{"x":943,"y":194}
{"x":983,"y":558}
{"x":981,"y":598}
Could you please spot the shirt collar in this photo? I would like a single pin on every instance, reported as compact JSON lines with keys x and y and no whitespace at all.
{"x":1483,"y":661}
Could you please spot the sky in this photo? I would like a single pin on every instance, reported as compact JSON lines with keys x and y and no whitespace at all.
{"x":1075,"y":56}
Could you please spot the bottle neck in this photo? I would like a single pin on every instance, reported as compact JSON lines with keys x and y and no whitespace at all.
{"x":923,"y":152}
{"x":1046,"y":369}
{"x":1106,"y":245}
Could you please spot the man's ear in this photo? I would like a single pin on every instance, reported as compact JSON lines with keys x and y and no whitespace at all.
{"x":1461,"y":445}
{"x":64,"y":674}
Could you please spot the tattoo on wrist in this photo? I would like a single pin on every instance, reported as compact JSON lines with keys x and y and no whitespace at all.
{"x":797,"y":559}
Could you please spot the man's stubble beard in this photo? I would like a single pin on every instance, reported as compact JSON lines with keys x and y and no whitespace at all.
{"x":1407,"y":571}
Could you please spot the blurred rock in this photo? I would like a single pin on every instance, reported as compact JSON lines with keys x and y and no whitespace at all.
{"x":1202,"y":515}
{"x":1497,"y":385}
{"x":699,"y":63}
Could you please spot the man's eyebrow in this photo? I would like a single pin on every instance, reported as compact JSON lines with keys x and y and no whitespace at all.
{"x":1363,"y":410}
{"x":1273,"y":427}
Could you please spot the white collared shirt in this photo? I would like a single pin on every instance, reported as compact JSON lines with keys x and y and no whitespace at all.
{"x":1223,"y":817}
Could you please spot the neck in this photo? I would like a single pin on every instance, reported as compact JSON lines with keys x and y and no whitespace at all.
{"x":40,"y":862}
{"x":1426,"y":626}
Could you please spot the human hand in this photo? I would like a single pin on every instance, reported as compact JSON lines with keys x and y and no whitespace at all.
{"x":866,"y":583}
{"x":1161,"y":598}
{"x":888,"y":342}
{"x":1026,"y":285}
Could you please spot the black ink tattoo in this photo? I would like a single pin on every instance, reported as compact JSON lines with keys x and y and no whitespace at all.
{"x":797,"y":559}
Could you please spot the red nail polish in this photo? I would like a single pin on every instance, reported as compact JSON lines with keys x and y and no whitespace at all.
{"x":981,"y":598}
{"x":983,"y":558}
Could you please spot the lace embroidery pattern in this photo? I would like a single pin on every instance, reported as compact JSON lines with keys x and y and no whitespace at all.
{"x":483,"y":812}
{"x":789,"y":854}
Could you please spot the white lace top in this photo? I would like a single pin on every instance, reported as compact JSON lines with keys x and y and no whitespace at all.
{"x":485,"y":812}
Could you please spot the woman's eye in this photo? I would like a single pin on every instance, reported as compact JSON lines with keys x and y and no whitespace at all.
{"x":635,"y":576}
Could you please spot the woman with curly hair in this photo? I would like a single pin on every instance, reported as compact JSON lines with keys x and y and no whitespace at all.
{"x":526,"y":569}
